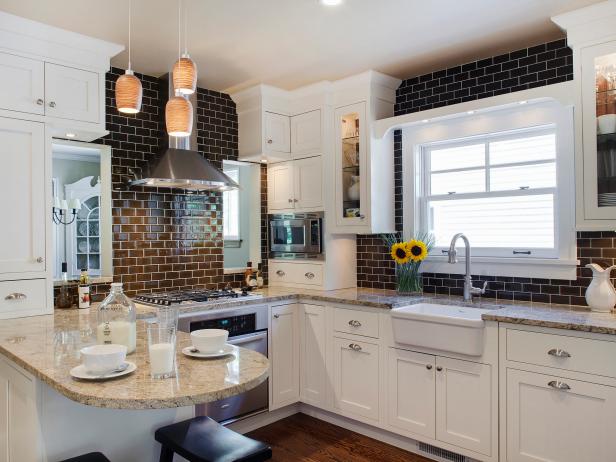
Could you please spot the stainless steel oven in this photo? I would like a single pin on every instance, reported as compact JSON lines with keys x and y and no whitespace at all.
{"x":247,"y":328}
{"x":296,"y":234}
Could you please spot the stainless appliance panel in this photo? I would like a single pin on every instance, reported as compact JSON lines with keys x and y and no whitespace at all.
{"x":296,"y":233}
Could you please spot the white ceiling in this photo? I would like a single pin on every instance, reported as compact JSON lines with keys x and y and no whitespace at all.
{"x":289,"y":43}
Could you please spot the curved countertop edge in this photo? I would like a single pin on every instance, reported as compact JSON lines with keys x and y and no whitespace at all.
{"x":135,"y":403}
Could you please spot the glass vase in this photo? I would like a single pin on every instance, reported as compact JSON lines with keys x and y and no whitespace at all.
{"x":408,"y":279}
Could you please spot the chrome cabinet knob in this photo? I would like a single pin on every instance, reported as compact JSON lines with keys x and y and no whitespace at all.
{"x":269,"y":141}
{"x":40,"y":101}
{"x":280,"y":273}
{"x":295,"y":200}
{"x":16,"y":296}
{"x":429,"y":367}
{"x":354,"y":347}
{"x":558,"y":385}
{"x":290,"y":201}
{"x":276,"y":316}
{"x":559,"y":353}
{"x":361,"y":217}
{"x":309,"y":275}
{"x":40,"y":260}
{"x":354,"y":323}
{"x":52,"y":104}
{"x":439,"y":368}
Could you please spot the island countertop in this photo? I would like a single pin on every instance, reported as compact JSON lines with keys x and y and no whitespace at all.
{"x":48,"y":348}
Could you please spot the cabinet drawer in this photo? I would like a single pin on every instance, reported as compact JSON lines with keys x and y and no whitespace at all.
{"x":22,"y":298}
{"x":562,"y":352}
{"x":356,"y":322}
{"x":296,"y":273}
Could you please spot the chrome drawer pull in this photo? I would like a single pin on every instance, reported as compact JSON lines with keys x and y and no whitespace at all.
{"x":276,"y":316}
{"x":280,"y":273}
{"x":354,"y":347}
{"x":16,"y":296}
{"x":429,"y":367}
{"x":559,"y":353}
{"x":354,"y":323}
{"x":559,"y":385}
{"x":309,"y":275}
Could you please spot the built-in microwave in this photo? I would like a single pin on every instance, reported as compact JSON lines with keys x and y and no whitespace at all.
{"x":296,"y":235}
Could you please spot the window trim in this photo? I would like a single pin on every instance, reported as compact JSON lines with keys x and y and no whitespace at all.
{"x":507,"y":119}
{"x":232,"y":240}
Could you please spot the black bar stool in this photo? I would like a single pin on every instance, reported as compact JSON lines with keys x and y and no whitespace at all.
{"x":202,"y":439}
{"x":90,"y":457}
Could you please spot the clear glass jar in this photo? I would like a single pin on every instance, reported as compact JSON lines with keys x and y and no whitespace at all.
{"x":117,"y":319}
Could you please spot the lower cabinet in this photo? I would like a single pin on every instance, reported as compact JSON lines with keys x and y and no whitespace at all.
{"x":558,"y":419}
{"x":356,"y":377}
{"x":313,"y":383}
{"x":18,"y":416}
{"x":284,"y":355}
{"x":445,"y":399}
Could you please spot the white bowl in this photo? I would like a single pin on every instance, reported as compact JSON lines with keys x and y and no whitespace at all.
{"x":99,"y":359}
{"x":606,"y":124}
{"x":209,"y":340}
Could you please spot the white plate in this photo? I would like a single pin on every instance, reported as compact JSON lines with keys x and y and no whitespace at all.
{"x":80,"y":372}
{"x":226,"y":350}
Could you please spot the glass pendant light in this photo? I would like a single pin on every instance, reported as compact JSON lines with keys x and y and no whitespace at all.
{"x":128,"y":90}
{"x":178,"y":110}
{"x":185,"y":69}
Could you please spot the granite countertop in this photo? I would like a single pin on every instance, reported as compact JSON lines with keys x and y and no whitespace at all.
{"x":48,"y":347}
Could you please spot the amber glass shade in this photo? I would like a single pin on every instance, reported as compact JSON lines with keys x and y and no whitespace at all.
{"x":185,"y":75}
{"x":179,"y":116}
{"x":128,"y":93}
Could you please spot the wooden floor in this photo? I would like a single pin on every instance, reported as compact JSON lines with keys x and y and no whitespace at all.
{"x":301,"y":438}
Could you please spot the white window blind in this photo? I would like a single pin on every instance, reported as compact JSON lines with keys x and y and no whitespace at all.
{"x":498,"y":189}
{"x":231,"y":206}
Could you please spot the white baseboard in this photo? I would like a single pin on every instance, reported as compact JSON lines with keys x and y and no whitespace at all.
{"x":261,"y":420}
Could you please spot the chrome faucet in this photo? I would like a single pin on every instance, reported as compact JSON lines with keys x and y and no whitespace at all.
{"x":469,"y":290}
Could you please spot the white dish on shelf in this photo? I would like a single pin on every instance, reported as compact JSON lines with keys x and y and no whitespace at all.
{"x":80,"y":372}
{"x":606,"y":123}
{"x":224,"y":351}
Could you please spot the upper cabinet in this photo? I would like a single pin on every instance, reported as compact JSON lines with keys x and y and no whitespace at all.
{"x":306,"y":134}
{"x":295,"y":186}
{"x":277,"y":134}
{"x":22,"y":84}
{"x":590,"y":34}
{"x":72,"y":93}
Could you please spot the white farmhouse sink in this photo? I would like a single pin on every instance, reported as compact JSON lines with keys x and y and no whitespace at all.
{"x":457,"y":329}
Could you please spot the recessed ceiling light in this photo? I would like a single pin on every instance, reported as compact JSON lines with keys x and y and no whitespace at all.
{"x":522,"y":102}
{"x":331,"y":2}
{"x":425,"y":121}
{"x":264,"y":161}
{"x":70,"y":135}
{"x":470,"y":112}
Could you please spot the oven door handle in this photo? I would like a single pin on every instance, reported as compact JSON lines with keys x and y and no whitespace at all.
{"x":242,"y":339}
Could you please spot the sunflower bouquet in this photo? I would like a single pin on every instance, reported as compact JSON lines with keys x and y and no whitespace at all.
{"x":408,"y":257}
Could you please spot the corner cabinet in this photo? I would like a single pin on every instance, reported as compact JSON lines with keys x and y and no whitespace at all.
{"x":314,"y":379}
{"x":295,"y":186}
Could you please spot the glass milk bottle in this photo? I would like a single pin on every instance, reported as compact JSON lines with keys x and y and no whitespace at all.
{"x":117,"y":319}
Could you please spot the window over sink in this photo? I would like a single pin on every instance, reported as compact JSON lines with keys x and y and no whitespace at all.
{"x":504,"y":177}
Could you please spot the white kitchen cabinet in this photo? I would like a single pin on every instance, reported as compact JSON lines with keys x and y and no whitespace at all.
{"x":313,"y":356}
{"x":411,"y":392}
{"x":306,"y":134}
{"x":295,"y":186}
{"x":22,"y":203}
{"x":545,"y":423}
{"x":280,"y":187}
{"x":278,"y":133}
{"x":22,"y":84}
{"x":72,"y":93}
{"x":18,"y":416}
{"x":284,"y":355}
{"x":356,"y":378}
{"x":464,"y":404}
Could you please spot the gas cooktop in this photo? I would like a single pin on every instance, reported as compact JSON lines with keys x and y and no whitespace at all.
{"x":188,"y":296}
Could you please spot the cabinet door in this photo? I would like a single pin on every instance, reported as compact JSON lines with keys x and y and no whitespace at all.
{"x":306,"y":134}
{"x":277,"y":133}
{"x":308,"y":183}
{"x":22,"y":84}
{"x":22,"y":176}
{"x":312,"y":355}
{"x":280,"y":179}
{"x":356,"y":377}
{"x":71,"y":93}
{"x":285,"y":355}
{"x":464,"y":404}
{"x":351,"y":176}
{"x":411,"y":391}
{"x":545,"y":423}
{"x":18,"y":422}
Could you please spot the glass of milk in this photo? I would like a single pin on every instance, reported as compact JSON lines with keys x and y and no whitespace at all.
{"x":161,"y":350}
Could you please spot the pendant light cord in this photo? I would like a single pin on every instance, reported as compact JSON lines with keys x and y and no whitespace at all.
{"x":186,"y":30}
{"x":180,"y":31}
{"x":129,"y":33}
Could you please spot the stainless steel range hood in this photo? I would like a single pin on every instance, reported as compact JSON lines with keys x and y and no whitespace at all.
{"x":180,"y":165}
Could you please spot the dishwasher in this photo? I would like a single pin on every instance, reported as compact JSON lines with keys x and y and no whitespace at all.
{"x":247,"y":328}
